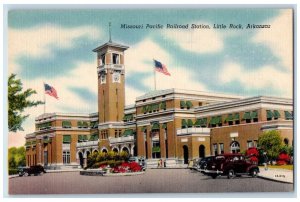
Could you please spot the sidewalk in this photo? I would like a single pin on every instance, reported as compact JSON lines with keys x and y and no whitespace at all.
{"x":276,"y":174}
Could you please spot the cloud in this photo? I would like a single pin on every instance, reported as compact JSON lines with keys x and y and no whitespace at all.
{"x":37,"y":41}
{"x":139,"y":57}
{"x":266,"y":77}
{"x":279,"y":38}
{"x":196,"y":40}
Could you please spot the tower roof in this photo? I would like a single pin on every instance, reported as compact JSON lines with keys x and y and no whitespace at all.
{"x":111,"y":44}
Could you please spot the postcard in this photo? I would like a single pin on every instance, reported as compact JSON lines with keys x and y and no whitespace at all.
{"x":150,"y":100}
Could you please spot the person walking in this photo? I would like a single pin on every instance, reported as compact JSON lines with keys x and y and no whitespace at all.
{"x":265,"y":157}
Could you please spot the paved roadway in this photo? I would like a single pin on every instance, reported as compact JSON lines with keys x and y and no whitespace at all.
{"x":153,"y":181}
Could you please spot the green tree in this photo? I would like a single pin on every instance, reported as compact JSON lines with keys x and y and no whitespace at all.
{"x":18,"y":100}
{"x":16,"y":157}
{"x":271,"y":142}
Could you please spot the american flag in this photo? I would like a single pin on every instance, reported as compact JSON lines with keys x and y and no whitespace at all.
{"x":50,"y":90}
{"x":161,"y":68}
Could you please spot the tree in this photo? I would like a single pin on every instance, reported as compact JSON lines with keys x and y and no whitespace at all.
{"x":17,"y":102}
{"x":271,"y":142}
{"x":16,"y":157}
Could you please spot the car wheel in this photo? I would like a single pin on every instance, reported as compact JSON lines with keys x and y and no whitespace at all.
{"x":254,"y":172}
{"x":41,"y":173}
{"x":214,"y":176}
{"x":26,"y":174}
{"x":20,"y":174}
{"x":230,"y":174}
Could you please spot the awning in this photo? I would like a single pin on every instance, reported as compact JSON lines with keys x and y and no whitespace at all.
{"x":128,"y":132}
{"x":85,"y":124}
{"x":212,"y":121}
{"x":189,"y":104}
{"x":183,"y":123}
{"x":198,"y":122}
{"x":155,"y":107}
{"x":94,"y":137}
{"x":145,"y":109}
{"x":254,"y":115}
{"x":229,"y":117}
{"x":84,"y":137}
{"x":276,"y":114}
{"x":94,"y":124}
{"x":79,"y":124}
{"x":288,"y":115}
{"x":27,"y":144}
{"x":269,"y":114}
{"x":236,"y":117}
{"x":66,"y":124}
{"x":163,"y":105}
{"x":246,"y":116}
{"x":190,"y":123}
{"x":218,"y":120}
{"x":155,"y":126}
{"x":33,"y":142}
{"x":67,"y":139}
{"x":164,"y":126}
{"x":182,"y":104}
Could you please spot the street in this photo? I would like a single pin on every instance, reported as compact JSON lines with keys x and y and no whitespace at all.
{"x":153,"y":181}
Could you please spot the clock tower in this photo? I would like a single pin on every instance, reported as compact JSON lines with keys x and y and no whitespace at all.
{"x":111,"y":81}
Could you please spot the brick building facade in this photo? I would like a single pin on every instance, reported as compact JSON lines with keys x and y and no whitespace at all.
{"x":173,"y":124}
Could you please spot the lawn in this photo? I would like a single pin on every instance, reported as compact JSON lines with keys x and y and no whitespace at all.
{"x":288,"y":167}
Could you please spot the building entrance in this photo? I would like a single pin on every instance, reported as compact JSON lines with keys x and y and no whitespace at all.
{"x":185,"y":154}
{"x":201,"y":151}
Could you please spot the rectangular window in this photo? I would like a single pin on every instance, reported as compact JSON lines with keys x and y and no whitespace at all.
{"x":250,"y":144}
{"x":215,"y":149}
{"x":66,"y":157}
{"x":116,"y":58}
{"x":102,"y":59}
{"x":221,"y":146}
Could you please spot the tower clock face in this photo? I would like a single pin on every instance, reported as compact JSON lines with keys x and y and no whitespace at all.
{"x":116,"y":77}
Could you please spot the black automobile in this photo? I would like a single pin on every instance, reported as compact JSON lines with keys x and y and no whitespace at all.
{"x":231,"y":165}
{"x":203,"y":163}
{"x":32,"y":170}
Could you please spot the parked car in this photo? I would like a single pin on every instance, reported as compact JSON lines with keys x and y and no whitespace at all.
{"x":32,"y":170}
{"x":140,"y":160}
{"x":231,"y":165}
{"x":203,"y":163}
{"x":195,"y":164}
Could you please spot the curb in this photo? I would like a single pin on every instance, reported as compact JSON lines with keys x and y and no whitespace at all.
{"x":12,"y":176}
{"x":272,"y":179}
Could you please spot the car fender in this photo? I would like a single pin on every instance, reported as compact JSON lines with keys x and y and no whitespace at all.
{"x":252,"y":167}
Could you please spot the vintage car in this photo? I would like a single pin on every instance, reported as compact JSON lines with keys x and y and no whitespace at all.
{"x":231,"y":165}
{"x":32,"y":170}
{"x":203,"y":163}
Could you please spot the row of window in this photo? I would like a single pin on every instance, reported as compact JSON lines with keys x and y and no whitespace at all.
{"x":231,"y":119}
{"x":186,"y":104}
{"x":67,"y":124}
{"x":234,"y":147}
{"x":128,"y":117}
{"x":115,"y":59}
{"x":154,"y":107}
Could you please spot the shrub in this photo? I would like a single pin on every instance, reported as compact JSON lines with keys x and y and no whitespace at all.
{"x":283,"y":158}
{"x":12,"y":171}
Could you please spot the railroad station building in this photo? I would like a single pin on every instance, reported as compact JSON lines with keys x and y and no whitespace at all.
{"x":176,"y":125}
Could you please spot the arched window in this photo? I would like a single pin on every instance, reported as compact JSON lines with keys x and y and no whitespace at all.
{"x":235,"y":147}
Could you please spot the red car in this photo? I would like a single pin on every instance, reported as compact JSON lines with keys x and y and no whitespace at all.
{"x":231,"y":165}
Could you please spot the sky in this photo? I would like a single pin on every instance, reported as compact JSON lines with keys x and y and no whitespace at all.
{"x":55,"y":47}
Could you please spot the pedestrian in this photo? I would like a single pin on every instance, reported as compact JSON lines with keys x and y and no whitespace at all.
{"x":265,"y":157}
{"x":158,"y":163}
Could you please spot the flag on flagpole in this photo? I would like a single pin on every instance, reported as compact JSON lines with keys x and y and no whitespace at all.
{"x":50,"y":91}
{"x":159,"y":67}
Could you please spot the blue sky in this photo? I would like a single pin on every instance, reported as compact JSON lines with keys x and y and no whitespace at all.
{"x":55,"y":46}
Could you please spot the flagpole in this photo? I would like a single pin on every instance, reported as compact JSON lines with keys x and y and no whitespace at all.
{"x":154,"y":78}
{"x":44,"y":99}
